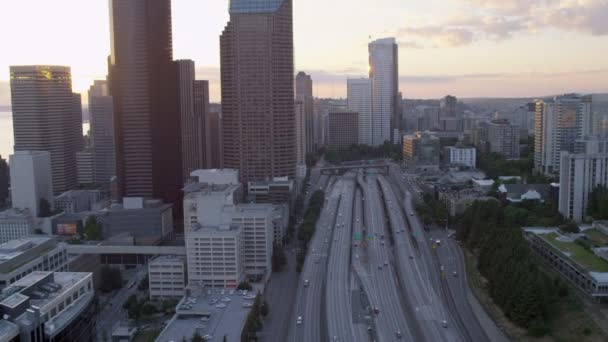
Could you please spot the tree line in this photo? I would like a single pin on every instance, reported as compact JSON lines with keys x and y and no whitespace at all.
{"x":308,"y":226}
{"x":526,"y":295}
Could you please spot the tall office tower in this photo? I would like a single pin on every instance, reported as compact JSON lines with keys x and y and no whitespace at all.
{"x":85,"y":166}
{"x":359,"y":93}
{"x":47,"y":117}
{"x":3,"y":182}
{"x":214,"y":139}
{"x":258,"y":116}
{"x":579,"y":175}
{"x":343,"y":130}
{"x":143,"y":83}
{"x":600,"y":114}
{"x":31,"y":180}
{"x":201,"y":112}
{"x":101,"y":110}
{"x":192,"y":113}
{"x":559,"y":123}
{"x":301,"y":142}
{"x":384,"y":75}
{"x":304,"y":94}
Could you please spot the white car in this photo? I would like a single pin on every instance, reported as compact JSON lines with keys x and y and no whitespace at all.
{"x":299,"y":320}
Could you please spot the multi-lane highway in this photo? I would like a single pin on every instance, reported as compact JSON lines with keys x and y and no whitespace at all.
{"x":372,"y":272}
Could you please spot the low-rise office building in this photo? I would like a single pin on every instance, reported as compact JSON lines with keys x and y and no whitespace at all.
{"x":49,"y":306}
{"x":77,"y":201}
{"x":421,"y":152}
{"x":167,"y":277}
{"x":461,"y":156}
{"x":148,"y":221}
{"x":18,"y":258}
{"x":16,"y":224}
{"x":276,"y":191}
{"x":215,"y":255}
{"x":584,"y":268}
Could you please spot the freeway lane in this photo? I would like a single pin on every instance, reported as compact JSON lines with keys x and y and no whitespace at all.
{"x":309,"y":298}
{"x":338,"y":297}
{"x":390,"y":319}
{"x":416,"y":277}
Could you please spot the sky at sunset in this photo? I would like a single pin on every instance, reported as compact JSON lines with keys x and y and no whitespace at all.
{"x":469,"y":48}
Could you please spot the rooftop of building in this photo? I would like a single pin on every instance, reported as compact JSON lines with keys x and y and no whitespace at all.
{"x":8,"y":330}
{"x":275,"y":181}
{"x":197,"y":314}
{"x":41,"y":288}
{"x":519,"y":190}
{"x":14,"y":213}
{"x":14,"y":248}
{"x":221,"y":230}
{"x":254,"y":6}
{"x":216,"y":176}
{"x":484,"y":182}
{"x":575,"y":251}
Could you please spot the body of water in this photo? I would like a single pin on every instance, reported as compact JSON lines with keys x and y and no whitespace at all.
{"x":6,"y":134}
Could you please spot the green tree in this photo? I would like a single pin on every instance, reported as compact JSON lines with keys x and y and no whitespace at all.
{"x":244,"y":286}
{"x":598,"y":203}
{"x":264,"y":309}
{"x":92,"y":229}
{"x":148,"y":309}
{"x":279,"y":260}
{"x":570,"y":227}
{"x":197,"y":337}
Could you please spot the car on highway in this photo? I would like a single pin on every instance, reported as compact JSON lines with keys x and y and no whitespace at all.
{"x":379,"y":267}
{"x":444,"y":324}
{"x":411,"y":257}
{"x":398,"y":334}
{"x":306,"y":282}
{"x":207,"y":338}
{"x":386,"y":263}
{"x":376,"y":310}
{"x":316,"y":260}
{"x":299,"y":320}
{"x":455,"y":274}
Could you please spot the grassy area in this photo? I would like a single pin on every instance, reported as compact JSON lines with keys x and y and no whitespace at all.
{"x":147,"y":336}
{"x":571,"y":322}
{"x":598,"y":238}
{"x":578,"y":253}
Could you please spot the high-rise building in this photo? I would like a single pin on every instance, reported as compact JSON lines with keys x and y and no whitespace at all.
{"x":503,"y":138}
{"x":143,"y":83}
{"x":304,"y":94}
{"x":201,"y":112}
{"x":449,"y":106}
{"x":384,"y":76}
{"x":101,"y":110}
{"x":359,"y":93}
{"x":214,"y":155}
{"x":258,"y":116}
{"x":31,"y":180}
{"x":301,"y":142}
{"x":193,"y":101}
{"x":85,"y":167}
{"x":343,"y":130}
{"x":579,"y":175}
{"x":4,"y":176}
{"x":47,"y":117}
{"x":559,"y":124}
{"x":16,"y":224}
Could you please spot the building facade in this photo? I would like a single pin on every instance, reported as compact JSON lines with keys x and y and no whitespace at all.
{"x":167,"y":277}
{"x":258,"y":116}
{"x":18,"y":258}
{"x":4,"y":180}
{"x":31,"y":180}
{"x":193,"y":103}
{"x":201,"y":112}
{"x":359,"y":93}
{"x":559,"y":124}
{"x":421,"y":152}
{"x":215,"y":256}
{"x":384,"y":77}
{"x":143,"y":84}
{"x":579,"y":175}
{"x":503,"y":138}
{"x":343,"y":130}
{"x":101,"y":111}
{"x":301,"y":143}
{"x":47,"y":117}
{"x":50,"y":306}
{"x":76,"y":201}
{"x":304,"y":94}
{"x":85,"y":166}
{"x":461,"y":156}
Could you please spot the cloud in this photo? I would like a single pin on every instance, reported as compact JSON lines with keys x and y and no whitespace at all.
{"x":499,"y":20}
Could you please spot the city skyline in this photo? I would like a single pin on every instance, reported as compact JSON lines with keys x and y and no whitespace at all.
{"x":468,"y":48}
